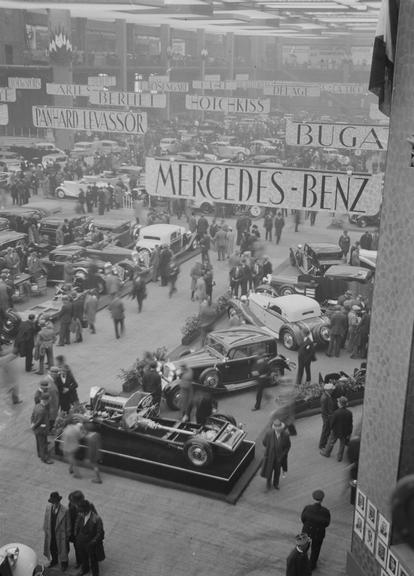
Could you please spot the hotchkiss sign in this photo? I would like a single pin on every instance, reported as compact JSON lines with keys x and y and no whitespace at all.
{"x":267,"y":187}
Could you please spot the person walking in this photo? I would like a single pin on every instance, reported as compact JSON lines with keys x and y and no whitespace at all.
{"x":89,"y":537}
{"x":209,"y":282}
{"x":268,"y":226}
{"x":207,"y":317}
{"x":200,"y":287}
{"x":71,"y":439}
{"x":316,"y":519}
{"x":90,"y":309}
{"x":78,"y":303}
{"x":230,"y":241}
{"x":298,"y":563}
{"x":139,"y":290}
{"x":40,"y":427}
{"x":327,"y":409}
{"x":25,"y":341}
{"x":277,"y":445}
{"x":56,"y":528}
{"x":155,"y":263}
{"x":261,"y":373}
{"x":338,"y":330}
{"x":164,"y":263}
{"x":173,"y":272}
{"x":205,"y":247}
{"x":341,"y":429}
{"x":306,"y":355}
{"x":8,"y":376}
{"x":94,"y":443}
{"x":186,"y":392}
{"x":220,"y":243}
{"x":279,"y":225}
{"x":344,"y":243}
{"x":117,"y":311}
{"x":205,"y":405}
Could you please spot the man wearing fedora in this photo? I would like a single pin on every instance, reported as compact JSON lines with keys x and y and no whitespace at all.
{"x":40,"y":426}
{"x":341,"y":429}
{"x":277,"y":446}
{"x":89,"y":536}
{"x":56,"y":527}
{"x":327,"y":409}
{"x":316,"y":518}
{"x":298,"y":563}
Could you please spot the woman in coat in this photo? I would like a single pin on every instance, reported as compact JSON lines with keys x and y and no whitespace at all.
{"x":90,"y":309}
{"x":56,"y":527}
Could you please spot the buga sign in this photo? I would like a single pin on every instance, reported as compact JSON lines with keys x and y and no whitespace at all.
{"x":348,"y":136}
{"x":87,"y":119}
{"x":267,"y":187}
{"x":227,"y":104}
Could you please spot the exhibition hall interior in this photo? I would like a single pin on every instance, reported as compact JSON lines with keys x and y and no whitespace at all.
{"x":206,"y":303}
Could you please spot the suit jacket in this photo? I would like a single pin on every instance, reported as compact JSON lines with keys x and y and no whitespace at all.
{"x":339,"y":323}
{"x":40,"y":419}
{"x":91,"y":534}
{"x":316,"y":518}
{"x":275,"y":450}
{"x":327,"y":405}
{"x":342,"y":423}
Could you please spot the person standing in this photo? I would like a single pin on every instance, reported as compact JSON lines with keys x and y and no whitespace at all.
{"x":230,"y":240}
{"x":94,"y":443}
{"x":344,"y":243}
{"x":316,"y":518}
{"x":139,"y":290}
{"x":279,"y":225}
{"x":365,"y":241}
{"x":306,"y":355}
{"x":173,"y":271}
{"x":56,"y":526}
{"x":67,"y":388}
{"x":40,"y":427}
{"x":200,"y":287}
{"x":327,"y":409}
{"x":25,"y":340}
{"x":89,"y":536}
{"x":209,"y":282}
{"x":235,"y":279}
{"x":341,"y":429}
{"x":277,"y":445}
{"x":220,"y":243}
{"x":186,"y":392}
{"x":205,"y":247}
{"x":205,"y":405}
{"x":48,"y":386}
{"x":353,"y":323}
{"x":268,"y":226}
{"x":117,"y":310}
{"x":155,"y":263}
{"x":261,"y":373}
{"x":202,"y":226}
{"x":298,"y":563}
{"x":65,"y":316}
{"x":338,"y":331}
{"x":151,"y":383}
{"x":195,"y":273}
{"x":164,"y":263}
{"x":78,"y":303}
{"x":44,"y":342}
{"x":90,"y":309}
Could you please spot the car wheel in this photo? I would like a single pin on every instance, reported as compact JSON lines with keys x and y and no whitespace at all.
{"x":173,"y":398}
{"x":128,"y":270}
{"x":198,"y":452}
{"x":256,"y":211}
{"x":145,"y":257}
{"x":362,"y":223}
{"x":226,"y":418}
{"x":289,"y":340}
{"x":206,"y":208}
{"x":60,"y":193}
{"x":324,"y":334}
{"x":286,"y":290}
{"x":210,"y":378}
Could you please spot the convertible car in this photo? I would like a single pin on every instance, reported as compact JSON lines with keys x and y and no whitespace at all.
{"x":314,"y":258}
{"x":177,"y":238}
{"x":288,"y":317}
{"x":225,"y":363}
{"x":18,"y":559}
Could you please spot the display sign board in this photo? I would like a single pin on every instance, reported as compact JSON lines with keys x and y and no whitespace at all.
{"x":7,"y":95}
{"x":264,"y":186}
{"x":4,"y":114}
{"x":157,"y":85}
{"x":227,"y":104}
{"x":89,"y":120}
{"x":348,"y":136}
{"x":212,"y":77}
{"x":70,"y":89}
{"x":214,"y":85}
{"x":240,"y":77}
{"x":335,"y":88}
{"x":102,"y":81}
{"x":282,"y":89}
{"x":131,"y":99}
{"x":25,"y":83}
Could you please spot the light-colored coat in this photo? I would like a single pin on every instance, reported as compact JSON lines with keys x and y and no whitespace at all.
{"x":91,"y":308}
{"x":62,"y":532}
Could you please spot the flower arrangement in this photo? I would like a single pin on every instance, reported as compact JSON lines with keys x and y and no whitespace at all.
{"x":349,"y":386}
{"x":132,"y":377}
{"x":192,"y":324}
{"x":60,"y":47}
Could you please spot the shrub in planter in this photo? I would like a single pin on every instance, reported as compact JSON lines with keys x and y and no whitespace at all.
{"x":191,"y":329}
{"x":131,"y":378}
{"x":308,"y":395}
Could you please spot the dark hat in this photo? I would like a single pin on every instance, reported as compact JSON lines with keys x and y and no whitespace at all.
{"x":84,"y":506}
{"x":278,"y":425}
{"x":55,"y":498}
{"x":76,"y":497}
{"x":318,"y":495}
{"x":54,"y":369}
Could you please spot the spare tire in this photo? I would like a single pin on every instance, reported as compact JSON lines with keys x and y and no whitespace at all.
{"x":198,"y":452}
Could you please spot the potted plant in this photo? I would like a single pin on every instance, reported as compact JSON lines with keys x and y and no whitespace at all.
{"x":190,"y":330}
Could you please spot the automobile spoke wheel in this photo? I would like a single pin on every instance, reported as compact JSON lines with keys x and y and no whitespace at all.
{"x":144,"y":257}
{"x":210,"y":378}
{"x":60,"y":193}
{"x":256,"y":211}
{"x":173,"y":398}
{"x":286,"y":290}
{"x":288,"y":340}
{"x":198,"y":452}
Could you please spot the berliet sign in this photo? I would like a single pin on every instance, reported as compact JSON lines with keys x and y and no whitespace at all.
{"x":90,"y":120}
{"x":349,"y":136}
{"x":227,"y":104}
{"x":267,"y":187}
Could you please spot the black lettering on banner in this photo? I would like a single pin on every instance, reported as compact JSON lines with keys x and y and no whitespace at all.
{"x":342,"y":134}
{"x":130,"y":122}
{"x":339,"y":189}
{"x":302,"y":128}
{"x":227,"y":183}
{"x":260,"y":106}
{"x":208,"y":188}
{"x":242,"y":173}
{"x":166,"y":179}
{"x":309,"y":183}
{"x":320,"y":134}
{"x":359,"y":194}
{"x":239,"y":104}
{"x":197,"y":179}
{"x":181,"y":179}
{"x":375,"y":140}
{"x":259,"y":185}
{"x":111,"y":122}
{"x":325,"y":192}
{"x":278,"y":188}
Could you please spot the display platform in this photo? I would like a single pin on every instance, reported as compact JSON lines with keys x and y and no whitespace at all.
{"x":224,"y":479}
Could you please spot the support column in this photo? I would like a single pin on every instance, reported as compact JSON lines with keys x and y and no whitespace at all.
{"x":121,"y":50}
{"x":59,"y":21}
{"x":229,"y":51}
{"x":389,"y":387}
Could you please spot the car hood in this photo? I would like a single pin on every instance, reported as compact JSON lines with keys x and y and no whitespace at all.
{"x":199,"y":359}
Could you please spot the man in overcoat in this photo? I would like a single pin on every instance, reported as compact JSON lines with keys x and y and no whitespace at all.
{"x":89,"y":536}
{"x":316,"y":518}
{"x":56,"y":527}
{"x":327,"y":409}
{"x":298,"y":563}
{"x":277,"y":446}
{"x":338,"y":331}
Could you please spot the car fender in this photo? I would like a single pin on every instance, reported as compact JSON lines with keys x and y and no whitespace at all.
{"x":295,"y":328}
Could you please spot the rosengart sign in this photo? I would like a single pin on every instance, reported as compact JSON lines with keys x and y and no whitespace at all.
{"x":264,"y":186}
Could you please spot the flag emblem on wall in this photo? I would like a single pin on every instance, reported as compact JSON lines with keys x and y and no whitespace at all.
{"x":383,"y":56}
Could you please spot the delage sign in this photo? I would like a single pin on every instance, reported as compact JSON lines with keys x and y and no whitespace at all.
{"x":267,"y":187}
{"x":282,"y":89}
{"x":227,"y":104}
{"x":90,"y":120}
{"x":349,"y":136}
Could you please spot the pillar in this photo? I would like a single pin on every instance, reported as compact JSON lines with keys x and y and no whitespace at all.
{"x":60,"y":21}
{"x":121,"y":50}
{"x":390,"y":387}
{"x":229,"y":54}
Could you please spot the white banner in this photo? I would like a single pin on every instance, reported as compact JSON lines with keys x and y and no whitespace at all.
{"x":212,"y":77}
{"x":89,"y":120}
{"x":348,"y":136}
{"x":214,"y":84}
{"x":268,"y":187}
{"x":102,"y":81}
{"x":4,"y":114}
{"x":25,"y":83}
{"x":227,"y":104}
{"x":308,"y":90}
{"x":156,"y":85}
{"x":334,"y":88}
{"x":132,"y":99}
{"x":241,"y":77}
{"x":70,"y":89}
{"x":7,"y":94}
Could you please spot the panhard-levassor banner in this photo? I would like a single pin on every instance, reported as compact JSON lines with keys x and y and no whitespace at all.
{"x":264,"y":186}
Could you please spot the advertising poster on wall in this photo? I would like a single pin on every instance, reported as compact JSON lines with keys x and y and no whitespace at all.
{"x":228,"y":105}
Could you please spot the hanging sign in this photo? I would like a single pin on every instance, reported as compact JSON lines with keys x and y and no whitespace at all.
{"x":25,"y":83}
{"x":102,"y":81}
{"x":308,"y":90}
{"x":348,"y":136}
{"x":70,"y":89}
{"x":335,"y":88}
{"x":227,"y":104}
{"x":132,"y":99}
{"x":7,"y":95}
{"x":157,"y":85}
{"x":214,"y":85}
{"x":4,"y":114}
{"x":212,"y":77}
{"x":90,"y":120}
{"x":317,"y":190}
